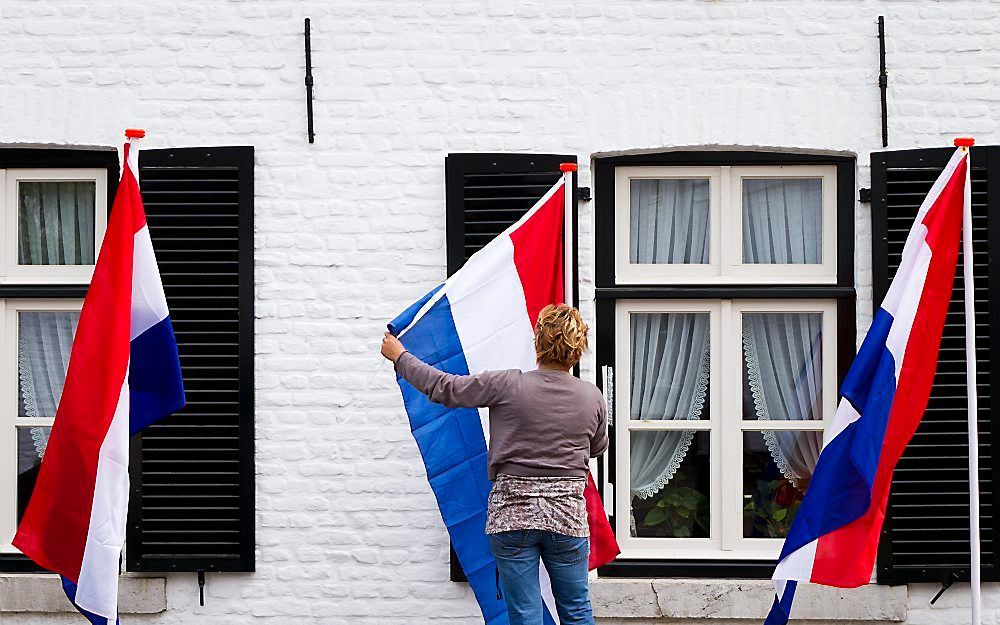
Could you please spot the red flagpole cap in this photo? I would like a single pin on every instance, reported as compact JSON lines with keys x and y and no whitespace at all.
{"x":135,"y":133}
{"x":964,"y":142}
{"x":565,"y":167}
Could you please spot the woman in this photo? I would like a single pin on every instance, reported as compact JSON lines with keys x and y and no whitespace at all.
{"x":545,"y":425}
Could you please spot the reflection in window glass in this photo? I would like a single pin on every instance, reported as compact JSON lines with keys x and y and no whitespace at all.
{"x":783,"y":221}
{"x":777,"y":467}
{"x":670,"y":484}
{"x":31,"y":442}
{"x":44,"y":342}
{"x":56,"y":223}
{"x":669,"y":221}
{"x":783,"y":366}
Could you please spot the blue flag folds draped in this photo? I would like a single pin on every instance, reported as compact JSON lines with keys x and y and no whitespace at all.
{"x":453,"y":447}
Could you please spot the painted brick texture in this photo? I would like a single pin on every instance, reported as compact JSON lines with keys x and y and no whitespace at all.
{"x":351,"y":229}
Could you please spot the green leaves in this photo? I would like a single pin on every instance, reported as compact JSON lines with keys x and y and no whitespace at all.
{"x":655,"y":516}
{"x":678,"y":512}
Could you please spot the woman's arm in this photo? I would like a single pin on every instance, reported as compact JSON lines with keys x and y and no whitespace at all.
{"x":454,"y":391}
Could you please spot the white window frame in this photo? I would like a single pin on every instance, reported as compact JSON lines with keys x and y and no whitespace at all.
{"x":726,"y":264}
{"x":9,"y":419}
{"x":635,"y":273}
{"x":13,"y":273}
{"x":726,"y":424}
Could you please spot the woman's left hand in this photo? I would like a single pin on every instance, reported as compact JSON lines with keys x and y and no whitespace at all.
{"x":392,"y":349}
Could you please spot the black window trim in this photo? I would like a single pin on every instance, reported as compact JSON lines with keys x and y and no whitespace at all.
{"x":607,"y":293}
{"x":44,"y":158}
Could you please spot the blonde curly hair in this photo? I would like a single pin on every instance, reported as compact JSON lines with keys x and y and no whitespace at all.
{"x":560,"y":336}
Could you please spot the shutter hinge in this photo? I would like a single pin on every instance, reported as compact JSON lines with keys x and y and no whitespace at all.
{"x":201,"y":587}
{"x":865,"y":195}
{"x":946,"y":585}
{"x":584,"y":194}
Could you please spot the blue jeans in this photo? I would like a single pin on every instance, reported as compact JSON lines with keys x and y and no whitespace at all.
{"x":517,"y":555}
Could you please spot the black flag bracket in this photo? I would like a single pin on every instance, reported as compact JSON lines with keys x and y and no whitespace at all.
{"x":883,"y":81}
{"x":309,"y":82}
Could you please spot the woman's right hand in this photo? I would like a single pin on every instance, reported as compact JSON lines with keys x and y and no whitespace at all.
{"x":392,"y":349}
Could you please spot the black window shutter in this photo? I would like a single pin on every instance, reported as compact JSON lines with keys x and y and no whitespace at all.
{"x":925,"y":537}
{"x":486,"y":193}
{"x":192,"y":499}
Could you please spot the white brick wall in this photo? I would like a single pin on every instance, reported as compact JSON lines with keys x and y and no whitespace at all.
{"x":351,"y":229}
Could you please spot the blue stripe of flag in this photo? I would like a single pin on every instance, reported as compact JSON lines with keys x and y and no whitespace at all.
{"x":70,"y":589}
{"x":156,"y":388}
{"x":453,"y":448}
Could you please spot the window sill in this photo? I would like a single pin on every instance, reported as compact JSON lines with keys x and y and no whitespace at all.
{"x":44,"y":593}
{"x":724,"y":599}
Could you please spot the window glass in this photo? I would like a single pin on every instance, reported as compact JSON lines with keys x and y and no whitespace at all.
{"x":670,"y":365}
{"x":56,"y":222}
{"x":44,"y":342}
{"x":777,"y":467}
{"x":669,"y":221}
{"x":783,"y":221}
{"x":783,"y":366}
{"x":670,"y":480}
{"x":31,"y":443}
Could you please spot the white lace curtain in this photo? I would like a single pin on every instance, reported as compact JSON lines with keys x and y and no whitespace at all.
{"x":782,"y":223}
{"x":56,"y":223}
{"x":670,"y":351}
{"x":669,"y":224}
{"x":670,"y":366}
{"x":783,"y":353}
{"x":669,"y":221}
{"x":44,"y":342}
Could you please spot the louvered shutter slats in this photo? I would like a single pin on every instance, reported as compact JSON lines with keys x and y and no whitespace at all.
{"x":926,"y":535}
{"x":192,"y":505}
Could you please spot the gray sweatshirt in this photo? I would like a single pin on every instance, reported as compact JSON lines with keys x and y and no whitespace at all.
{"x":543,"y":423}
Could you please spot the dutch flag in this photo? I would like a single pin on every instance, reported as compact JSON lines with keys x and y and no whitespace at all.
{"x":834,"y":537}
{"x":483,"y":318}
{"x":123,"y":375}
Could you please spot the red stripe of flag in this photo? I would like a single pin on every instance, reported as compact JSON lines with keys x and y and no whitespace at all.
{"x":54,"y":529}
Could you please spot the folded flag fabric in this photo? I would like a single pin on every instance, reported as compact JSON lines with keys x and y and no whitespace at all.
{"x":483,"y":318}
{"x":834,"y":537}
{"x":123,"y":375}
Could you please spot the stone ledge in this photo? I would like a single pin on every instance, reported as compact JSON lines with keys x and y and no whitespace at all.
{"x":741,"y":599}
{"x":44,"y":593}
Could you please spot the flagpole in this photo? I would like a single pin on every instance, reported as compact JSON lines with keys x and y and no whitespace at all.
{"x":964,"y":143}
{"x":567,"y":170}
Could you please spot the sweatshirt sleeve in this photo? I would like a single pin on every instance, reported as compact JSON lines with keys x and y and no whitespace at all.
{"x":454,"y":391}
{"x":599,"y":443}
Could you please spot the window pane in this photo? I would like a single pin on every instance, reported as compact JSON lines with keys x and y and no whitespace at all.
{"x":670,"y":366}
{"x":782,"y":366}
{"x":669,"y":221}
{"x":44,"y":341}
{"x":670,"y":479}
{"x":783,"y":221}
{"x":56,"y":223}
{"x":777,"y":467}
{"x":31,"y":442}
